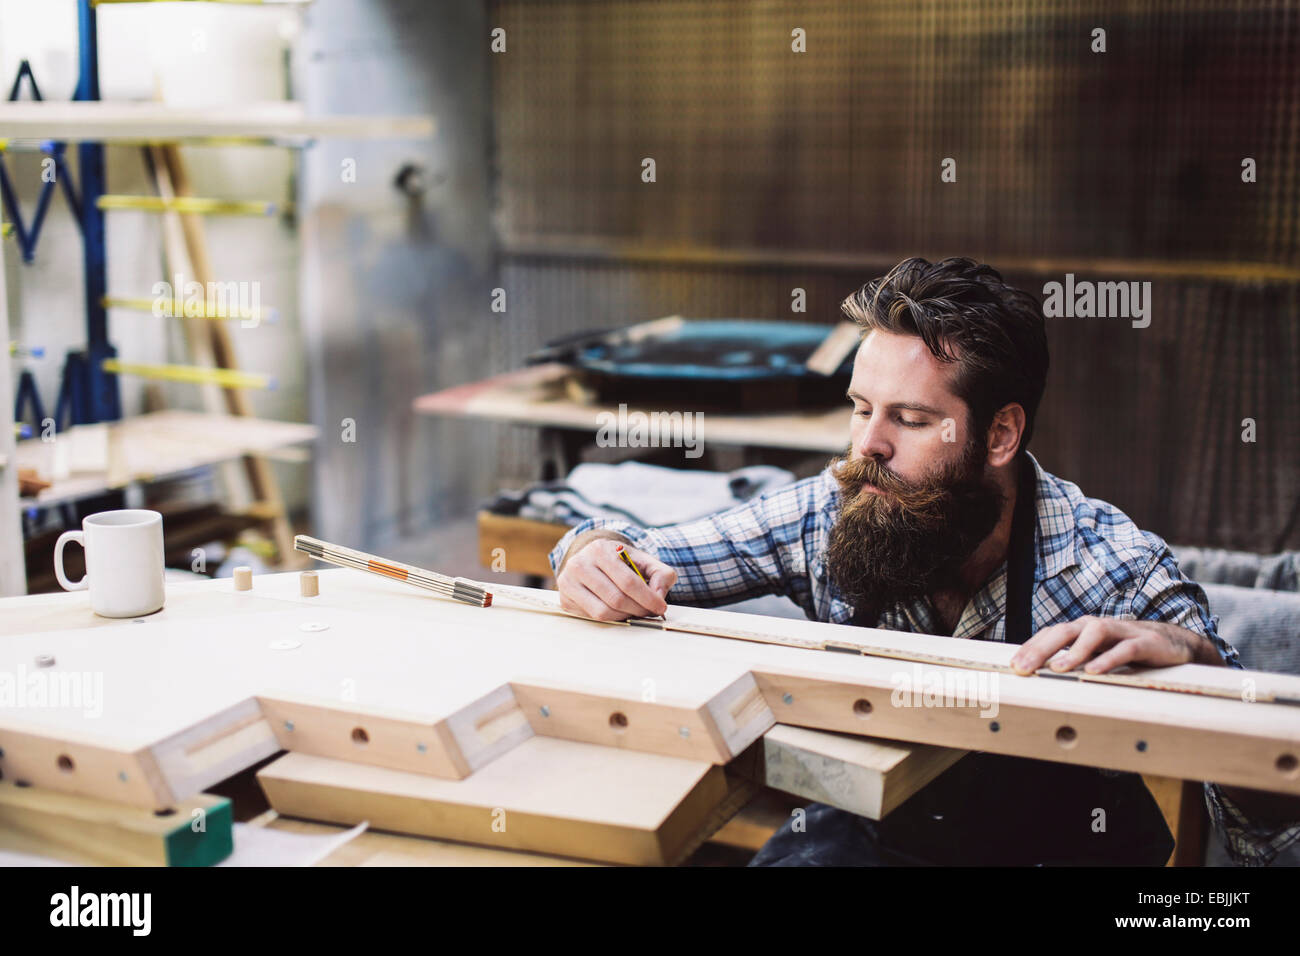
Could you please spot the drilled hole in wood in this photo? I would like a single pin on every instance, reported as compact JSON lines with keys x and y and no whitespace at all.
{"x":862,"y":708}
{"x":360,"y":737}
{"x":65,"y":763}
{"x":1287,"y":764}
{"x":1067,"y":737}
{"x":618,"y":720}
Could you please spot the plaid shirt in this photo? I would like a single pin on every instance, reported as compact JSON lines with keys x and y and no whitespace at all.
{"x":1091,"y":559}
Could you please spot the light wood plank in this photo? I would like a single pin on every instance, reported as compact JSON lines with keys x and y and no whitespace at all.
{"x":758,"y":821}
{"x":537,"y":396}
{"x":196,"y":832}
{"x":158,"y":444}
{"x":864,"y":776}
{"x":525,"y":543}
{"x":372,"y":848}
{"x":544,"y":796}
{"x":135,"y":122}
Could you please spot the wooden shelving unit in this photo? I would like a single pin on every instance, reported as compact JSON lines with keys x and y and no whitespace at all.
{"x":283,"y":122}
{"x":160,"y":445}
{"x":149,"y":447}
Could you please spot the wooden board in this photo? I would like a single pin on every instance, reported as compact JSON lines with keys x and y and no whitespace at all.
{"x":924,"y":649}
{"x":185,"y":691}
{"x":757,"y":821}
{"x":524,"y":543}
{"x":373,"y":848}
{"x":159,"y":444}
{"x":544,"y":796}
{"x":537,"y":396}
{"x":196,"y":832}
{"x":136,"y":122}
{"x":385,"y":676}
{"x":864,"y":776}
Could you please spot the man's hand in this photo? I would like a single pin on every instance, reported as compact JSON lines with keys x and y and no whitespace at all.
{"x":1109,"y":642}
{"x":594,"y":582}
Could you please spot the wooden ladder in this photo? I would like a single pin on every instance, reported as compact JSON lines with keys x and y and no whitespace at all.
{"x":208,"y":341}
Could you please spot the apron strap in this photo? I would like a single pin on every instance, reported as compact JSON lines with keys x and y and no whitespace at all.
{"x":1021,"y":556}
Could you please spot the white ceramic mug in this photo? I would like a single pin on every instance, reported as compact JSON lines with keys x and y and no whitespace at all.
{"x":124,"y":562}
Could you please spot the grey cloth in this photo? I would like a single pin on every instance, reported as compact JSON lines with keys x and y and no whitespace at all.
{"x":1263,"y":625}
{"x":1257,"y":600}
{"x":1276,"y":572}
{"x":647,"y":495}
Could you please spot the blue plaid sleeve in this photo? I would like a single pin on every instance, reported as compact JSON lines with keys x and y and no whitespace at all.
{"x":1248,"y":843}
{"x":759,"y":547}
{"x":1164,"y":594}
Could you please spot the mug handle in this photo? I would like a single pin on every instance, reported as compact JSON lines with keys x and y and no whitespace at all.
{"x":64,"y":538}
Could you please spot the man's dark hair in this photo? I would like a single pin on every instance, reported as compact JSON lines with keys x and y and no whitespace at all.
{"x":967,"y":315}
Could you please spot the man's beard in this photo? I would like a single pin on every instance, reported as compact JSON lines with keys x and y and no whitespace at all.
{"x":911,"y":539}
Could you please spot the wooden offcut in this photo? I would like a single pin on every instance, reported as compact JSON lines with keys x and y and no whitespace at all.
{"x":195,"y":832}
{"x":373,"y":848}
{"x":544,"y":796}
{"x":508,"y":543}
{"x":864,"y":776}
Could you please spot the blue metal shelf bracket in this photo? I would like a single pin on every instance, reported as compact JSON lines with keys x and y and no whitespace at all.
{"x":101,"y":399}
{"x":27,"y":238}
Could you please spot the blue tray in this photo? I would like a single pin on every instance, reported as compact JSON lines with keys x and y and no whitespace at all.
{"x":717,"y":350}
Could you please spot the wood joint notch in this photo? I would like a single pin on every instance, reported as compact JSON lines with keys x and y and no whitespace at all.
{"x":491,"y":726}
{"x":741,"y":714}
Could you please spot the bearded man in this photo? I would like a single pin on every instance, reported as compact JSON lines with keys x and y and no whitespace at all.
{"x":937,"y":520}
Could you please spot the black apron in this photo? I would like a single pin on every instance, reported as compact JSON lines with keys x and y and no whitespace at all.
{"x":990,"y":809}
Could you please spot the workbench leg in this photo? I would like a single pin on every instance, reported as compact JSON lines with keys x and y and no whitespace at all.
{"x":1184,"y":812}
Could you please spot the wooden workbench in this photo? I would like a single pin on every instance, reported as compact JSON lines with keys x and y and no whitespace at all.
{"x":599,"y":741}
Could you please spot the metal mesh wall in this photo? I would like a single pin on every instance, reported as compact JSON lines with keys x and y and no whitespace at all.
{"x":818,"y":170}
